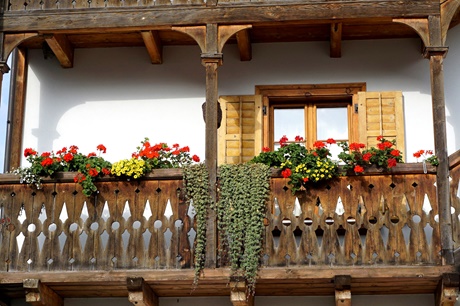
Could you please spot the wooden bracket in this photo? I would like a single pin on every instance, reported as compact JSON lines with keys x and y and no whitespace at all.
{"x":342,"y":285}
{"x":11,"y":41}
{"x":448,"y":11}
{"x":447,"y":291}
{"x":212,"y":38}
{"x":239,"y":295}
{"x":336,"y":40}
{"x":140,"y":293}
{"x":62,"y":48}
{"x":420,"y":25}
{"x":39,"y":294}
{"x":154,"y":47}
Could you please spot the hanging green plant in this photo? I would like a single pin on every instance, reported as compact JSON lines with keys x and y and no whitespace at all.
{"x":196,"y":183}
{"x":244,"y":190}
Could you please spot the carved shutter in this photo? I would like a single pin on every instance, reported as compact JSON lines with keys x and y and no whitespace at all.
{"x":381,"y":113}
{"x":240,"y":135}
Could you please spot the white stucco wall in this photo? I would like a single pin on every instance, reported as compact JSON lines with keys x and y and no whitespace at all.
{"x":116,"y":97}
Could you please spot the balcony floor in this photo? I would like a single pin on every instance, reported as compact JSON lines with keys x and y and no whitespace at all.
{"x":294,"y":281}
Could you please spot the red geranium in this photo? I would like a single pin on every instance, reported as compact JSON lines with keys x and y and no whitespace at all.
{"x":395,"y":153}
{"x":105,"y":171}
{"x":92,"y":154}
{"x":286,"y":173}
{"x":319,"y":144}
{"x":283,"y":141}
{"x":93,"y":172}
{"x":29,"y":152}
{"x":46,"y":154}
{"x":298,"y":138}
{"x":391,"y":162}
{"x":331,"y":141}
{"x":68,"y":157}
{"x":367,"y":156}
{"x":358,"y":169}
{"x":47,"y":162}
{"x":195,"y":158}
{"x":265,"y":149}
{"x":102,"y":148}
{"x":355,"y":146}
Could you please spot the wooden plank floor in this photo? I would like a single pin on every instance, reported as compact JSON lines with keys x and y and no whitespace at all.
{"x":311,"y":281}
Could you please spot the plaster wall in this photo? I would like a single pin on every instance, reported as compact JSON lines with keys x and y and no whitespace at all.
{"x":116,"y":97}
{"x":357,"y":300}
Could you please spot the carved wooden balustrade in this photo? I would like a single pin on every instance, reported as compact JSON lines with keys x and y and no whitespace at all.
{"x":128,"y":225}
{"x":388,"y":219}
{"x":354,"y":220}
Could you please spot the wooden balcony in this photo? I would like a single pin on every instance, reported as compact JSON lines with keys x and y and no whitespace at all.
{"x":379,"y":229}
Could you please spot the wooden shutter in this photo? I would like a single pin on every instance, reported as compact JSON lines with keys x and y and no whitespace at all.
{"x":381,"y":113}
{"x":240,"y":135}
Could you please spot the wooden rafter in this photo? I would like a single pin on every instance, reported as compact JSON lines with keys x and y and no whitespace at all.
{"x":336,"y":40}
{"x":154,"y":47}
{"x":447,"y":292}
{"x":244,"y":45}
{"x":342,"y":285}
{"x":239,"y":295}
{"x":140,"y":293}
{"x":39,"y":294}
{"x":62,"y":49}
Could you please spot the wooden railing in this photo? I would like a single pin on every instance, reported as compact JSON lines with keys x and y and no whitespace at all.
{"x":375,"y":219}
{"x":128,"y":225}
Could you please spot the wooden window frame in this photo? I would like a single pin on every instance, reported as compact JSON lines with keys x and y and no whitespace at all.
{"x":315,"y":92}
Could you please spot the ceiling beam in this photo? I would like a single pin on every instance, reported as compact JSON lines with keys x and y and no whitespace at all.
{"x":336,"y":40}
{"x":154,"y":47}
{"x":140,"y":293}
{"x":342,"y":285}
{"x":244,"y":45}
{"x":62,"y":49}
{"x":239,"y":295}
{"x":38,"y":294}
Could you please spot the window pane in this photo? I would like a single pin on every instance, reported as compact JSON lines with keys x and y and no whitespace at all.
{"x":289,"y":122}
{"x":332,"y":122}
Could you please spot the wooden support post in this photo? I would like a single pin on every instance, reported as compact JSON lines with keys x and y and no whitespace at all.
{"x":139,"y":293}
{"x":342,"y":290}
{"x":39,"y":294}
{"x":447,"y":291}
{"x":239,"y":295}
{"x":436,"y":55}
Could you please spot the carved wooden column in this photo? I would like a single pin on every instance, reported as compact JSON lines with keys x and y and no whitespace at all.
{"x":211,"y":39}
{"x":436,"y":56}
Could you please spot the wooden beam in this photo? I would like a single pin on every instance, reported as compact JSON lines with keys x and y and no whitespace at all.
{"x":154,"y":47}
{"x":244,"y":45}
{"x":39,"y":294}
{"x":239,"y":296}
{"x":342,"y":285}
{"x":139,"y":293}
{"x":62,"y":48}
{"x":239,"y":13}
{"x":336,"y":40}
{"x":446,"y":294}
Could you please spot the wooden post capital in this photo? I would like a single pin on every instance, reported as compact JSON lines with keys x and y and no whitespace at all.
{"x":212,"y":58}
{"x":4,"y":68}
{"x":433,"y":51}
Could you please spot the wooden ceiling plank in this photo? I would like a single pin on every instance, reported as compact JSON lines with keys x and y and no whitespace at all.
{"x":38,"y":294}
{"x":244,"y":45}
{"x":62,"y":49}
{"x":154,"y":46}
{"x":140,"y":293}
{"x":336,"y":40}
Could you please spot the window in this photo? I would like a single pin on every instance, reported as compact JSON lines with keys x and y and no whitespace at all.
{"x":315,"y":112}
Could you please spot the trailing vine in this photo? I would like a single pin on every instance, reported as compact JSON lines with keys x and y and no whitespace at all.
{"x":244,"y":189}
{"x":196,"y":183}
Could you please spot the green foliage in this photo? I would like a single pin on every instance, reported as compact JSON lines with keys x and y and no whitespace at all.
{"x":244,"y":190}
{"x":196,"y":183}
